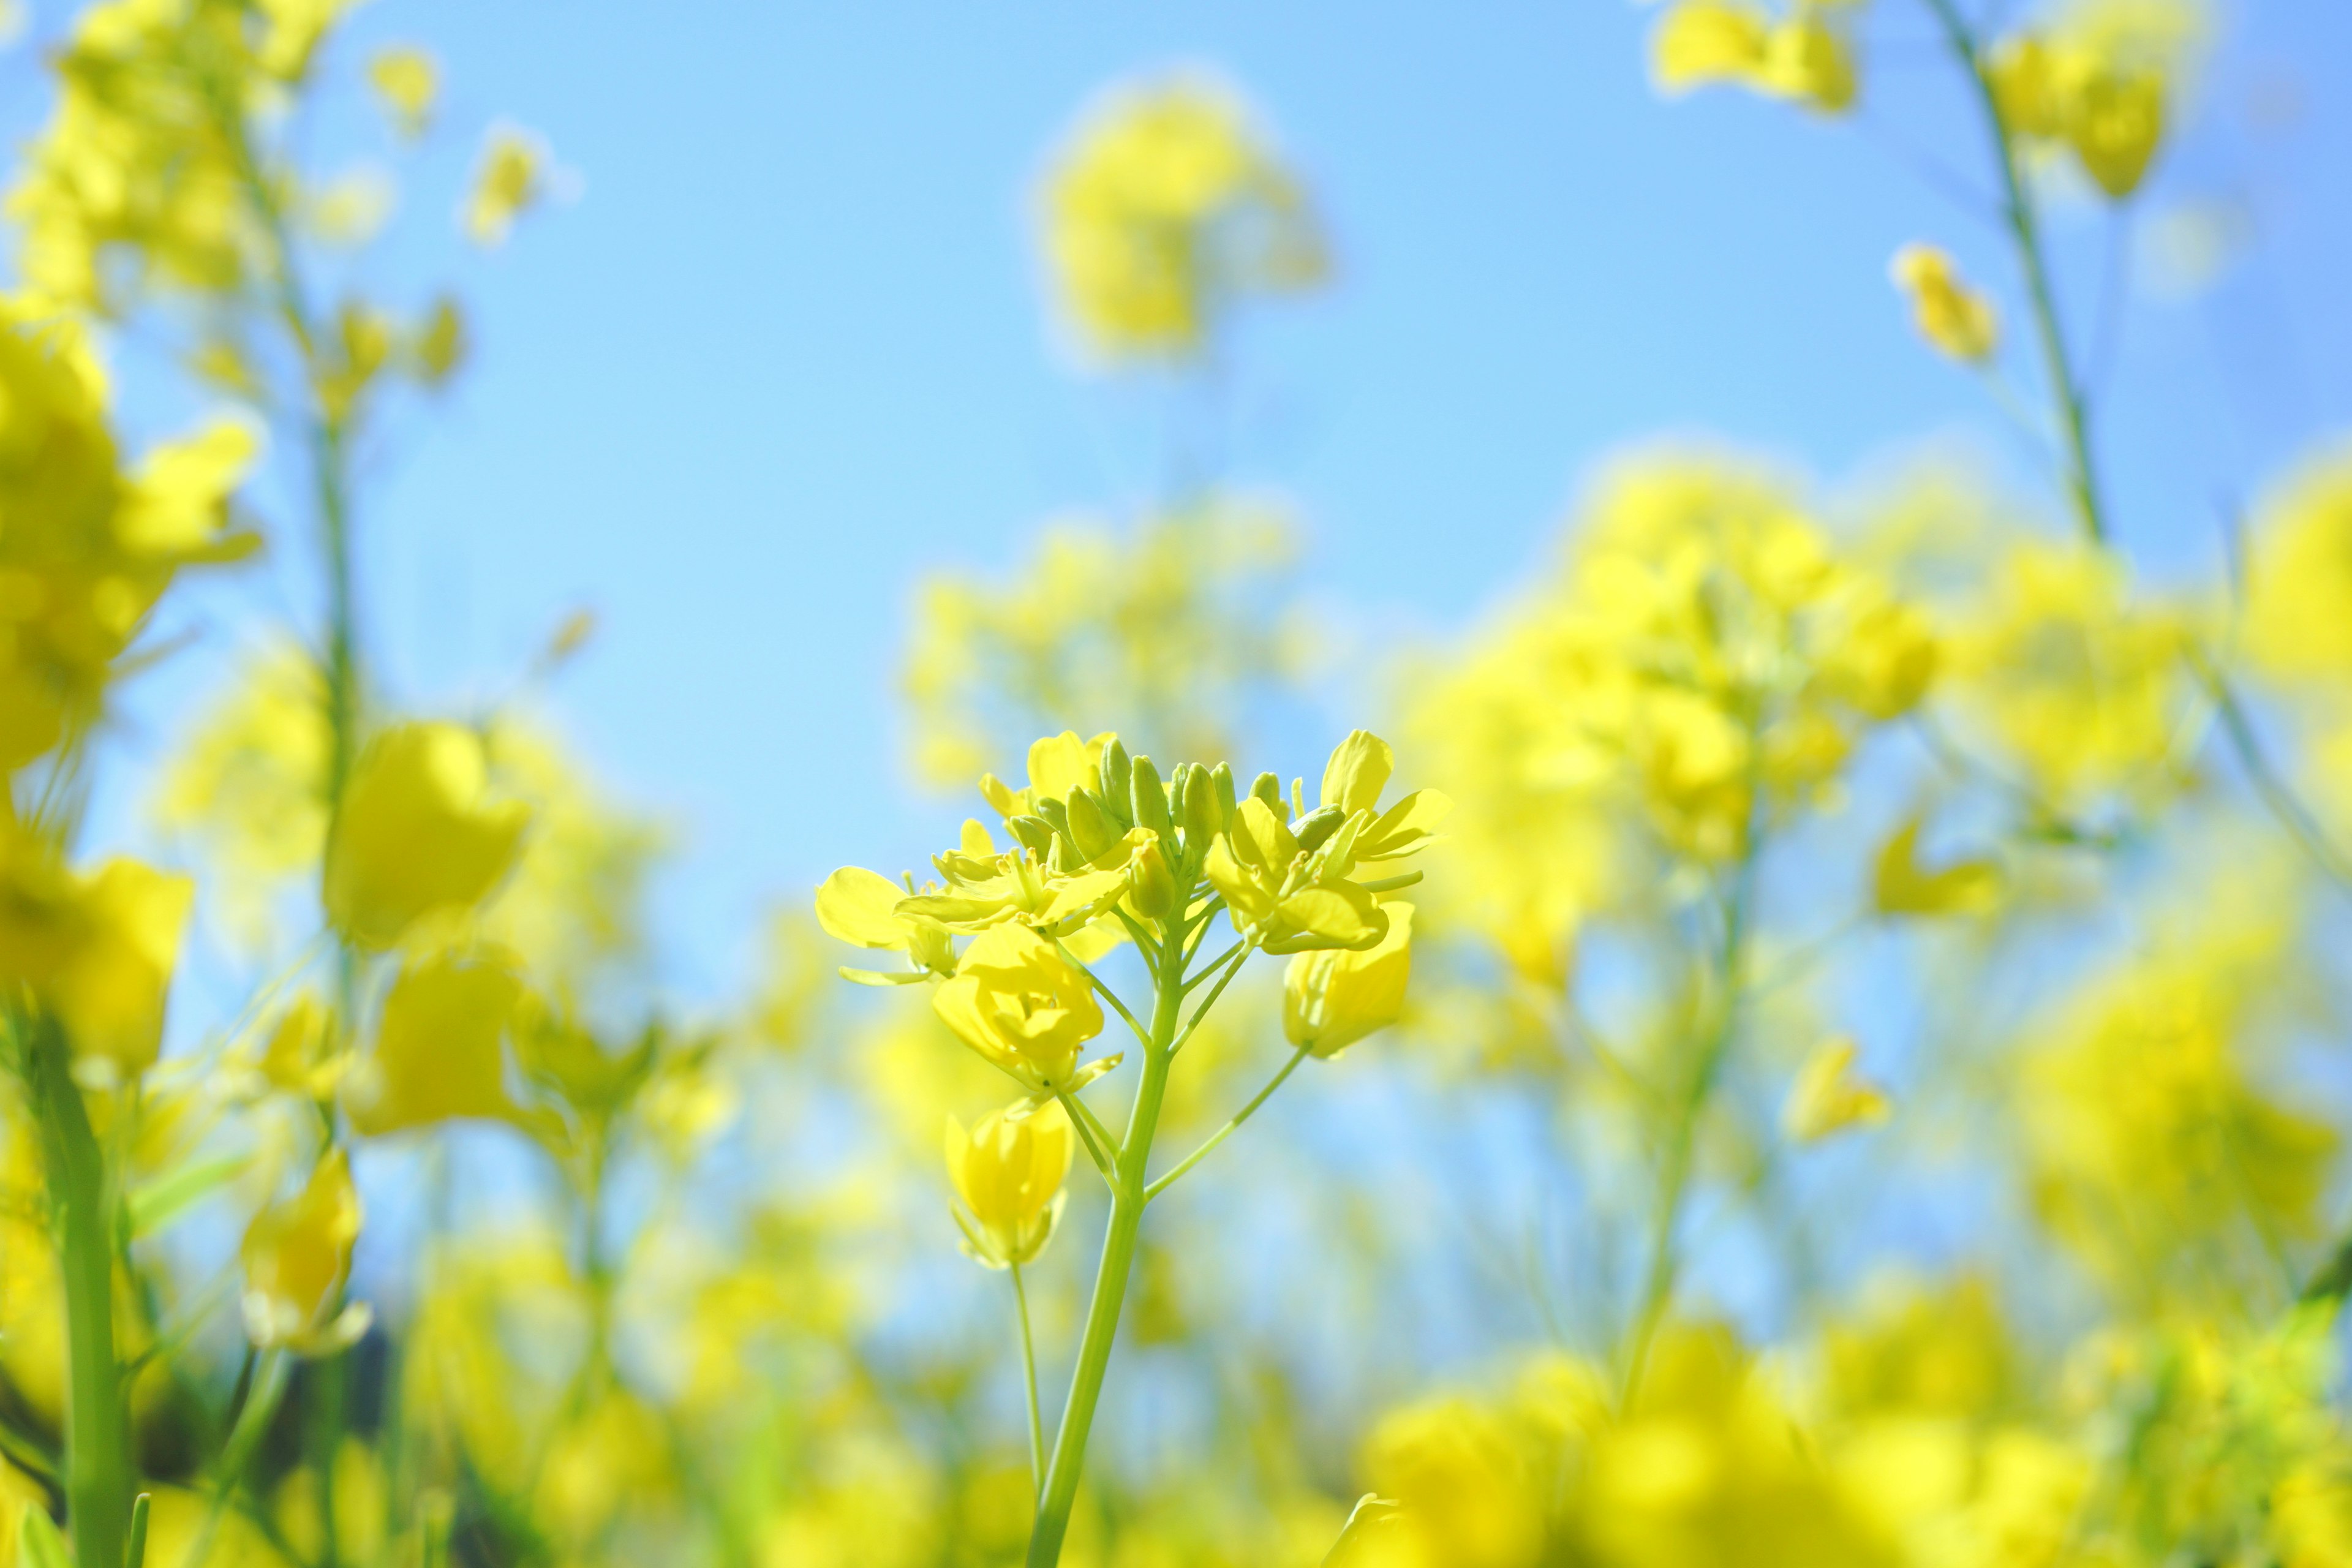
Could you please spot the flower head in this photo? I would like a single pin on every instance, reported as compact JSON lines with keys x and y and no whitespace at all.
{"x":1952,"y":316}
{"x":1022,"y":1005}
{"x":298,"y":1257}
{"x":418,"y":833}
{"x":1332,"y":998}
{"x":1008,"y":1169}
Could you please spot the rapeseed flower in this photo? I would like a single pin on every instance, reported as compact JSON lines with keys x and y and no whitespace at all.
{"x":1168,"y":208}
{"x":1022,"y":1006}
{"x":1952,"y":316}
{"x":297,"y":1258}
{"x":1334,"y":997}
{"x":418,"y":833}
{"x":439,"y":1051}
{"x":1829,"y":1096}
{"x":1008,"y":1169}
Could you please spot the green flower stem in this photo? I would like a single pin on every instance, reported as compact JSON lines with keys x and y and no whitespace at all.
{"x":1681,"y":1137}
{"x":97,"y":1420}
{"x":1083,"y":1119}
{"x":1029,"y":1383}
{"x":1127,"y":1204}
{"x":326,"y":1385}
{"x":2025,"y":235}
{"x":2276,"y":792}
{"x":1221,"y":1133}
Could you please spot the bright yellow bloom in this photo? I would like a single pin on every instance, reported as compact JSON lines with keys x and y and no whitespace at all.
{"x":1952,"y":316}
{"x":1828,"y":1097}
{"x":407,"y":79}
{"x":2298,"y":622}
{"x":298,"y":1257}
{"x":109,"y":990}
{"x":861,"y":907}
{"x":2099,"y":80}
{"x":440,"y":1045}
{"x":513,"y":176}
{"x":1902,"y":886}
{"x":1804,"y":56}
{"x":1332,"y":998}
{"x":417,"y":833}
{"x":1166,"y":209}
{"x":1008,"y":1170}
{"x":1022,"y":1005}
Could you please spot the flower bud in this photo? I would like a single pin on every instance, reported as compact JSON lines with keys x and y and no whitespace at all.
{"x":1009,"y":1172}
{"x":1202,"y":820}
{"x":1152,"y":885}
{"x":1268,"y":788}
{"x":1056,"y":816}
{"x":1034,"y":834}
{"x":1315,"y":829}
{"x":1147,"y":798}
{"x":1090,"y":828}
{"x":1221,"y":780}
{"x":1116,"y":776}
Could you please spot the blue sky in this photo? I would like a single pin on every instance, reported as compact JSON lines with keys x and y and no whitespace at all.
{"x":788,"y":350}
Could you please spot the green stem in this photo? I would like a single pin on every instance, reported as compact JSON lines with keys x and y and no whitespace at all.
{"x":1681,"y":1137}
{"x":2276,"y":792}
{"x":1221,"y":1133}
{"x":97,"y":1420}
{"x":1029,"y":1383}
{"x":2025,"y":233}
{"x":1126,"y":1207}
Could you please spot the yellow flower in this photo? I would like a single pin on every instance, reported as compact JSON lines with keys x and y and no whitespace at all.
{"x":408,"y":81}
{"x":1902,"y":886}
{"x":439,"y":1047}
{"x":417,"y":835}
{"x":1332,"y":999}
{"x":1168,"y":208}
{"x":2117,"y":122}
{"x":1828,"y":1098}
{"x":1022,"y":1005}
{"x":512,"y":178}
{"x":1802,"y":57}
{"x":861,"y":907}
{"x":1008,"y":1170}
{"x":298,"y":1257}
{"x":1952,"y":316}
{"x":2299,"y":582}
{"x":109,"y":990}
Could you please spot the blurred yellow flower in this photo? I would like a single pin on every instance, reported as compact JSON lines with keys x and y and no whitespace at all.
{"x":1952,"y":316}
{"x":1008,"y":1169}
{"x":513,"y":176}
{"x":1805,"y":56}
{"x":1168,"y":208}
{"x":2298,"y":613}
{"x":1021,"y":1006}
{"x":1332,"y":998}
{"x":1900,"y":885}
{"x":440,"y":1045}
{"x":297,"y":1256}
{"x":108,"y":991}
{"x":416,"y":833}
{"x":1828,"y":1097}
{"x":407,"y":82}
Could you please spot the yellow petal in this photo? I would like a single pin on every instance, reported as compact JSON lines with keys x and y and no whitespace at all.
{"x":1359,"y":770}
{"x":860,"y":907}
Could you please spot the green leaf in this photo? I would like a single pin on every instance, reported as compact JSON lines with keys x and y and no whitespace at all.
{"x":156,"y":1203}
{"x":39,"y":1545}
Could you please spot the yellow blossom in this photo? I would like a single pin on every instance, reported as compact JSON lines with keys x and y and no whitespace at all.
{"x":2298,"y":621}
{"x":1828,"y":1097}
{"x":440,"y":1045}
{"x":407,"y":79}
{"x":1332,"y":998}
{"x":1901,"y":886}
{"x":1167,"y":207}
{"x":512,"y":178}
{"x":297,"y":1258}
{"x":1952,"y":316}
{"x":1008,"y":1169}
{"x":1020,"y":1005}
{"x":418,"y":833}
{"x":1804,"y":55}
{"x":109,"y":992}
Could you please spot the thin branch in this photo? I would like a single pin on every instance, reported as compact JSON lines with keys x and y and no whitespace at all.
{"x":1102,"y":1161}
{"x":1221,"y":1133}
{"x":1029,"y":1380}
{"x":1215,"y":963}
{"x":1210,"y":1001}
{"x":1107,"y":994}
